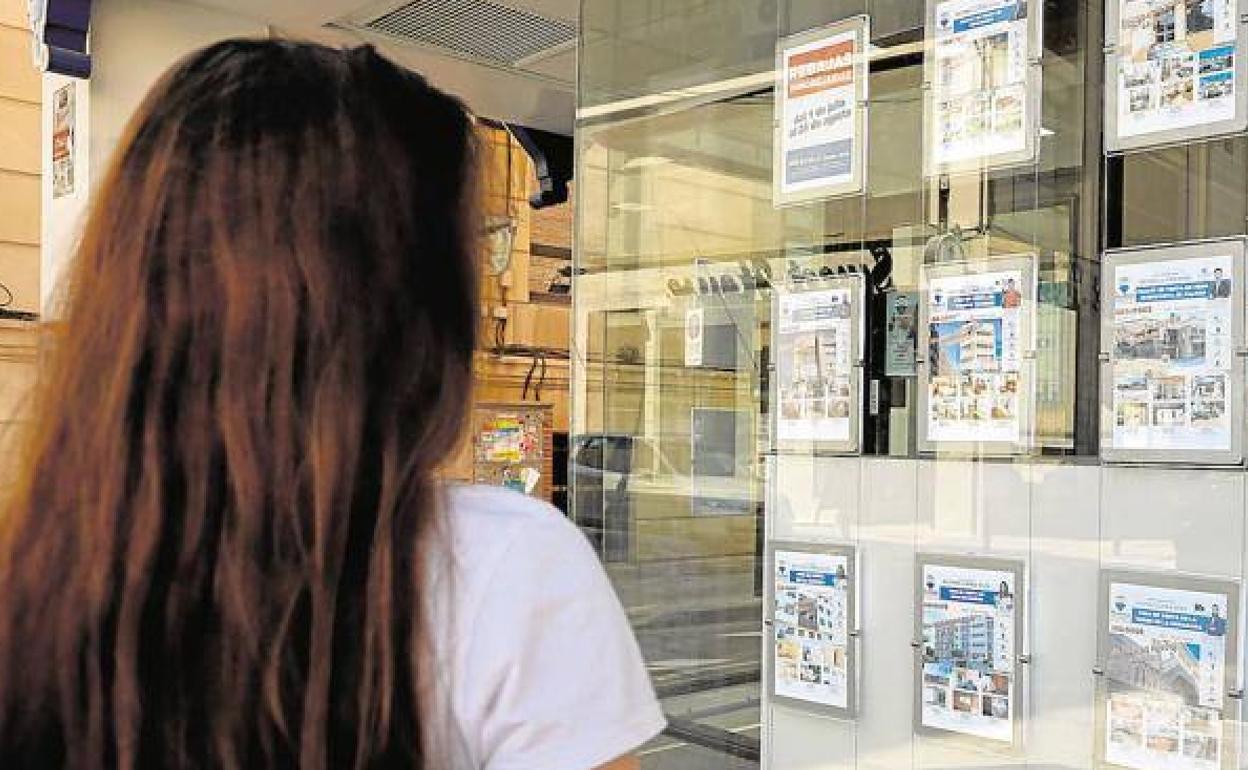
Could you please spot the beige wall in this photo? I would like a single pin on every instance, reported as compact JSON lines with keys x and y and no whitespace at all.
{"x":20,"y":87}
{"x":19,"y":158}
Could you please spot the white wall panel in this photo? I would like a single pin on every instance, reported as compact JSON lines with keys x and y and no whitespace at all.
{"x":1188,"y":520}
{"x":972,"y":507}
{"x":1063,"y":593}
{"x":803,"y":741}
{"x":886,"y":567}
{"x":816,"y":498}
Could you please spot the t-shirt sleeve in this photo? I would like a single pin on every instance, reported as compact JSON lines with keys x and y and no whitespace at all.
{"x":554,"y":679}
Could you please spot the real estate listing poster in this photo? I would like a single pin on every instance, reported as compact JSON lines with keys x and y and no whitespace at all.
{"x":1166,"y":670}
{"x":64,"y":120}
{"x":695,"y":327}
{"x":816,"y":360}
{"x":969,"y":645}
{"x":902,"y":334}
{"x":975,"y":337}
{"x":1173,"y":354}
{"x":979,"y":108}
{"x":821,"y":113}
{"x":1175,"y":66}
{"x":811,"y":623}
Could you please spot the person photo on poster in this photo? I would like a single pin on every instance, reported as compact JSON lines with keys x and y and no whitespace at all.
{"x":968,"y":681}
{"x":1165,"y":674}
{"x":815,"y":365}
{"x":975,"y":355}
{"x":1175,"y":64}
{"x":811,"y":627}
{"x":979,"y":92}
{"x":1173,"y":354}
{"x":819,"y":114}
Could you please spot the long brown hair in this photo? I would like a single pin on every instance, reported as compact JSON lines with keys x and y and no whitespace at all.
{"x":214,"y":553}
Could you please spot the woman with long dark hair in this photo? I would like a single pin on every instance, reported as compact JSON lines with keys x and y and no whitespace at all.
{"x":227,"y":547}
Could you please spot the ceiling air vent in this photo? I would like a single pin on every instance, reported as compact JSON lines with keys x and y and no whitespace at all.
{"x":477,"y":28}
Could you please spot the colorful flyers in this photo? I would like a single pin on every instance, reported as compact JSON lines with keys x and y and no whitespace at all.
{"x":508,"y":446}
{"x":821,"y":93}
{"x":812,"y":615}
{"x":1172,"y":357}
{"x":976,"y":329}
{"x":1165,"y":661}
{"x":969,"y":632}
{"x":1175,"y":71}
{"x":817,"y":393}
{"x":980,"y":108}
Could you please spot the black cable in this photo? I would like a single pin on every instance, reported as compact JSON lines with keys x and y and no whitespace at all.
{"x":500,"y":328}
{"x":6,"y":301}
{"x":537,"y":396}
{"x":528,"y":379}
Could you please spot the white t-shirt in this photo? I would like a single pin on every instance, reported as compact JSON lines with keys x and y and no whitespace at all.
{"x":541,"y":667}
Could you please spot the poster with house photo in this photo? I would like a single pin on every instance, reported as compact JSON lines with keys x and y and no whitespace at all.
{"x":980,"y":110}
{"x":976,"y":327}
{"x":1174,"y":70}
{"x":817,"y":376}
{"x":1173,"y":319}
{"x":1165,"y":661}
{"x":969,"y":635}
{"x":812,"y":615}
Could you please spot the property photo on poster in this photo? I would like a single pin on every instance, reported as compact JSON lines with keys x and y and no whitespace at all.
{"x":979,"y":102}
{"x":975,"y":357}
{"x":968,"y":682}
{"x":1175,"y":65}
{"x":815,"y":362}
{"x":820,"y":111}
{"x":1165,"y":676}
{"x":811,"y":627}
{"x":1173,"y":354}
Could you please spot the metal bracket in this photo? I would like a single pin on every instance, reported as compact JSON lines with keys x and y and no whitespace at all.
{"x":916,"y":645}
{"x":1243,"y":18}
{"x":1110,"y":49}
{"x":1102,"y":357}
{"x":1024,"y":660}
{"x":855,"y":634}
{"x":1029,"y":355}
{"x":1098,"y":671}
{"x":1241,"y":352}
{"x":1236,"y":693}
{"x":768,"y":622}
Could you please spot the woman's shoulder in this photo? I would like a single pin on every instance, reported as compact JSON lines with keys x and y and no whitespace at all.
{"x":487,"y":524}
{"x":494,"y":513}
{"x":499,"y":505}
{"x":536,"y":619}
